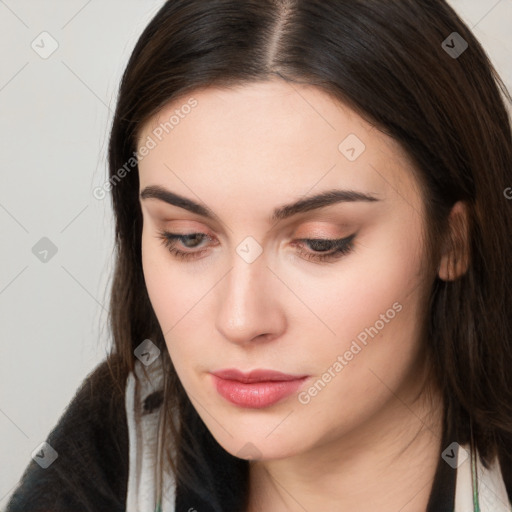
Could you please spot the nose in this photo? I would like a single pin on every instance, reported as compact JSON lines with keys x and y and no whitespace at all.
{"x":249,"y":307}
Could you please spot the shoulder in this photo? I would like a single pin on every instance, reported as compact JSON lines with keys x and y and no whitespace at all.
{"x":91,"y":441}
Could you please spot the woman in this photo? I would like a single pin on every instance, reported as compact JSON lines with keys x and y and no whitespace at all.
{"x":311,"y":303}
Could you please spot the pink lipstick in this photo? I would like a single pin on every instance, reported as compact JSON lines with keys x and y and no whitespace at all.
{"x":256,"y":389}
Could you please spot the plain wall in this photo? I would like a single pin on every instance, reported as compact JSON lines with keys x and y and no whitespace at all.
{"x":55,"y":114}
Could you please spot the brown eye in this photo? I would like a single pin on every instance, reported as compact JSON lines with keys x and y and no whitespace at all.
{"x":188,"y":240}
{"x":327,"y":250}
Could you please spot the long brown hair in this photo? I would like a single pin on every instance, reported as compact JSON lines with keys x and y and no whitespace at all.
{"x":389,"y":61}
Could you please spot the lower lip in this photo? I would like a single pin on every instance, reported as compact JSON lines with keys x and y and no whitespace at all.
{"x":256,"y":395}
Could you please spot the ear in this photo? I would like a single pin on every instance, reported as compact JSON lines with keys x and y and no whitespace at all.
{"x":455,"y":257}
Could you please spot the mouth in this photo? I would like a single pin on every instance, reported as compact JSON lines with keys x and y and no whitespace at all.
{"x":256,"y":389}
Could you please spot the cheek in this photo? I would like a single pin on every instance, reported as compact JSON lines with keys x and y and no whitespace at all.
{"x":177,"y":299}
{"x":374,"y":306}
{"x":349,"y":296}
{"x":371,"y":359}
{"x":156,"y":274}
{"x":171,"y":289}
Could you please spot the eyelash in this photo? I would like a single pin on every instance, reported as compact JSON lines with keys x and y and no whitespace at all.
{"x":341,"y":246}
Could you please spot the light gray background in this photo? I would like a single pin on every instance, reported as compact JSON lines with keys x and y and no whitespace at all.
{"x":55,"y":114}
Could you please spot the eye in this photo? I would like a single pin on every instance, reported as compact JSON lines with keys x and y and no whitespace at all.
{"x":190,"y":240}
{"x":327,"y":250}
{"x":323,"y":249}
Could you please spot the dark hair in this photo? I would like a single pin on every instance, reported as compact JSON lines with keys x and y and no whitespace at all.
{"x":386,"y":60}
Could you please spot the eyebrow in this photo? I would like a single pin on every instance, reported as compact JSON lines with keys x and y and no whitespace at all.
{"x":327,"y":198}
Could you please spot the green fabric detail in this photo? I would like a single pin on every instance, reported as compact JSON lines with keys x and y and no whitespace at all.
{"x":474,"y":478}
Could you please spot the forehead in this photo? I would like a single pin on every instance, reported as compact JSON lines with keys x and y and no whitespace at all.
{"x":289,"y":138}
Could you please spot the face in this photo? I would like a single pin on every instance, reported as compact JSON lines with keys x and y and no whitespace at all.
{"x":328,"y":292}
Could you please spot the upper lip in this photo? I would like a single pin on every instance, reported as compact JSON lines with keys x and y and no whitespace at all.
{"x":259,"y":375}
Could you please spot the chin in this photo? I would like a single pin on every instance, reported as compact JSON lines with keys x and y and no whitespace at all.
{"x":258,"y":447}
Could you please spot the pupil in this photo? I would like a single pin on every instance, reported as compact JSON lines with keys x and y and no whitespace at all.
{"x":191,"y":238}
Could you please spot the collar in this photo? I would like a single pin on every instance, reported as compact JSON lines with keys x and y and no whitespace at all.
{"x":146,"y":493}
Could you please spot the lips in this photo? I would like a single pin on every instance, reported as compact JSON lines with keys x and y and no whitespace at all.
{"x":255,"y":389}
{"x":256,"y":375}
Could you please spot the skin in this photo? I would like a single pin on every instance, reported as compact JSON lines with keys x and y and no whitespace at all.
{"x":365,"y":442}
